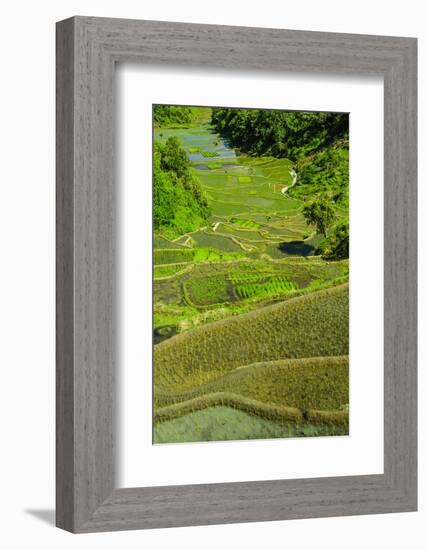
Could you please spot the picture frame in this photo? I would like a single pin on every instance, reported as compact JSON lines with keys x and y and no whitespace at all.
{"x":87,"y":50}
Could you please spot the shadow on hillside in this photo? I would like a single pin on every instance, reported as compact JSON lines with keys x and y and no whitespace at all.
{"x":297,"y":248}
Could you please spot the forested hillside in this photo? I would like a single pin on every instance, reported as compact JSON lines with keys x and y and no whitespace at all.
{"x":166,"y":115}
{"x":318,"y":146}
{"x":179,"y":203}
{"x":317,"y":143}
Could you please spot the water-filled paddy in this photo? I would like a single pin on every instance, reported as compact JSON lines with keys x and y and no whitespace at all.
{"x":251,"y":218}
{"x":234,"y":183}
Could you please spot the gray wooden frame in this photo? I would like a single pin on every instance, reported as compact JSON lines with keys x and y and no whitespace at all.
{"x":87,"y":50}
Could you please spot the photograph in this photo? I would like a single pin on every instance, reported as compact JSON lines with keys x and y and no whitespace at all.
{"x":210,"y":273}
{"x":250,"y":273}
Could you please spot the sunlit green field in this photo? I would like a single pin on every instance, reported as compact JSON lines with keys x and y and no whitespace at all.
{"x":250,"y":327}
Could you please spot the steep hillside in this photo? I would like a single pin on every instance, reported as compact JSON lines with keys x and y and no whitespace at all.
{"x":307,"y":326}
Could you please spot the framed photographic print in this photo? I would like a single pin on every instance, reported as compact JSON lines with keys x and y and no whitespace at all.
{"x":236,"y":274}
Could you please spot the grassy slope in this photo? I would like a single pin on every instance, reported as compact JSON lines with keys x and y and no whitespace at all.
{"x":308,"y":326}
{"x":310,"y":383}
{"x":299,"y":390}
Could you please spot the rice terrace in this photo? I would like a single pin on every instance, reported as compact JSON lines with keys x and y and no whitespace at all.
{"x":250,"y":276}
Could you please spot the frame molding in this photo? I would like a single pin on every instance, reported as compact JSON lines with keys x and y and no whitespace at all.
{"x":87,"y":50}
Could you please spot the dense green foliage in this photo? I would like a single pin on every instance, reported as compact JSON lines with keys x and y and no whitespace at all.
{"x":179,"y":203}
{"x":280,"y":133}
{"x":336,"y":245}
{"x":166,"y":115}
{"x":319,"y":213}
{"x":179,"y":116}
{"x":326,"y":172}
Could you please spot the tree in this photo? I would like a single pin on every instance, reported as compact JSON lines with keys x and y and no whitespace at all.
{"x":164,"y":192}
{"x":165,"y":115}
{"x":320,"y":214}
{"x":336,"y":245}
{"x":179,"y":203}
{"x":174,"y":158}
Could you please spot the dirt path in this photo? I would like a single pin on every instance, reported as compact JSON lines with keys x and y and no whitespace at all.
{"x":293,"y":174}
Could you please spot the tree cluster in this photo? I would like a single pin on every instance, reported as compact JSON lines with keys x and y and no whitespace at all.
{"x":167,"y":115}
{"x":336,"y":245}
{"x":280,"y":133}
{"x":179,"y":203}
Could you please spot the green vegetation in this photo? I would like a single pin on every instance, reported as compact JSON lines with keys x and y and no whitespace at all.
{"x":215,"y":240}
{"x":327,"y":172}
{"x":248,"y":224}
{"x":336,"y":245}
{"x":168,"y":270}
{"x":202,"y":292}
{"x":319,"y":213}
{"x":209,"y":255}
{"x":312,"y":325}
{"x":166,"y":115}
{"x":289,"y":134}
{"x":175,"y":256}
{"x":179,"y":203}
{"x":314,"y":390}
{"x":162,"y":242}
{"x":306,"y":274}
{"x":274,"y":285}
{"x":227,"y":424}
{"x":296,"y":382}
{"x":251,"y":245}
{"x":317,"y":143}
{"x":183,"y":255}
{"x":178,"y":116}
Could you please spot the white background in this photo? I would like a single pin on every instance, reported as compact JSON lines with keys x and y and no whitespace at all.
{"x":27,"y":273}
{"x":138,"y":88}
